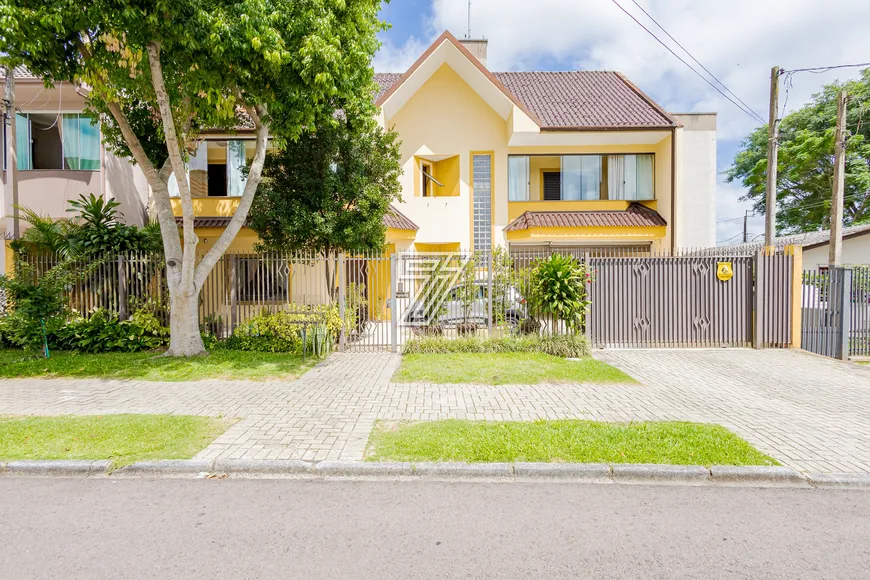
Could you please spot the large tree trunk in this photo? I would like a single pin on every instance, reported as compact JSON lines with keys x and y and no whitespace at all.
{"x":184,"y":335}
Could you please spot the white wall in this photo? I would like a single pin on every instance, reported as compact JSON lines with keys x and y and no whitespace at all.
{"x":696,"y":218}
{"x":855,"y":251}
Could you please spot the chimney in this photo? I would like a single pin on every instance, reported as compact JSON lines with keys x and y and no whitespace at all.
{"x":477,"y":47}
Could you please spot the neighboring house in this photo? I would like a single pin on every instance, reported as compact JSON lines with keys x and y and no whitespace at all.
{"x":815,"y":246}
{"x":521,"y":159}
{"x":60,"y":156}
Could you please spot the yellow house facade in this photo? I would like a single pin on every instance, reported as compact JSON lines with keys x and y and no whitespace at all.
{"x":525,"y":160}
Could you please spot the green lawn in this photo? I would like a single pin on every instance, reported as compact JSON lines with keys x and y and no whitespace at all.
{"x":505,"y":369}
{"x":570,"y":441}
{"x":150,"y":366}
{"x":123,"y":439}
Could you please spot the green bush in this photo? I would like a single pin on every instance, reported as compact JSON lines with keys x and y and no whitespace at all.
{"x":569,"y":345}
{"x":557,"y":288}
{"x":103,"y":332}
{"x":38,"y":304}
{"x":282,"y":331}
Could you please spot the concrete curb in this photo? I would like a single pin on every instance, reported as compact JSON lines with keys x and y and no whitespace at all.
{"x":585,"y":472}
{"x":167,"y":468}
{"x":57,"y":468}
{"x":262,"y":467}
{"x":626,"y":474}
{"x":840,"y":480}
{"x":669,"y":474}
{"x":766,"y":476}
{"x":464,"y":470}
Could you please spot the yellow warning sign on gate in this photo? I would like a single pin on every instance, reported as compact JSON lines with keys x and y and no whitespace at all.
{"x":724,"y":271}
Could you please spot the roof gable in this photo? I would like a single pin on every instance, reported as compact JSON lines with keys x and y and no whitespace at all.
{"x":395,"y":92}
{"x":571,"y":100}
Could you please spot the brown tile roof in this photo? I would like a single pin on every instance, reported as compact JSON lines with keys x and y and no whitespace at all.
{"x":392,"y":219}
{"x":584,"y":99}
{"x":636,"y":215}
{"x":385,"y":81}
{"x":398,"y":221}
{"x":574,"y":99}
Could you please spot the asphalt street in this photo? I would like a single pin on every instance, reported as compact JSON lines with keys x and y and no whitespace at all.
{"x":260,"y":529}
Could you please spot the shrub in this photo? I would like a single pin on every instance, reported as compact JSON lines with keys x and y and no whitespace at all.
{"x":557,"y":288}
{"x":569,"y":345}
{"x":38,"y":304}
{"x":103,"y":332}
{"x":282,"y":331}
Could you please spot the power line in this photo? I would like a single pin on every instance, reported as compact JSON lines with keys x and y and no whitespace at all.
{"x":662,"y":28}
{"x":822,"y":69}
{"x":753,"y":214}
{"x":729,"y":239}
{"x":702,"y":77}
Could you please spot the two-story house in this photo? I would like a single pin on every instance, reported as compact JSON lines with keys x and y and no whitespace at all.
{"x":517,"y":159}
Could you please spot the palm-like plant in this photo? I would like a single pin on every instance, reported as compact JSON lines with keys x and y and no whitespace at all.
{"x":48,"y":235}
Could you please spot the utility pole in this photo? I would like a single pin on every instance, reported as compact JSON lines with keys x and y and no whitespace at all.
{"x":11,"y":153}
{"x":835,"y":244}
{"x":772,"y":159}
{"x":745,"y":231}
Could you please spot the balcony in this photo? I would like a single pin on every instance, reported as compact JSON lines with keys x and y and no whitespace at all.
{"x":595,"y":182}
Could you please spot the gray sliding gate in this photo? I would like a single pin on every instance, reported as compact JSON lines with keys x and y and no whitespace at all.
{"x":671,"y":302}
{"x":692,"y":301}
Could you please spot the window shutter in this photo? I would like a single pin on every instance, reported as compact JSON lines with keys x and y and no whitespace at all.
{"x":552,"y":186}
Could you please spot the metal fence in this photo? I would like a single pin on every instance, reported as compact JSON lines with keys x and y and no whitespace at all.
{"x":639,"y":298}
{"x":835,"y":311}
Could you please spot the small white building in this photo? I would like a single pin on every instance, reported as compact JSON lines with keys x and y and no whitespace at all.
{"x":856,"y":246}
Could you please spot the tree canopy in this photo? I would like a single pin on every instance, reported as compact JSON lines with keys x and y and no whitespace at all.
{"x":158,"y":74}
{"x":806,"y":161}
{"x":330,"y":189}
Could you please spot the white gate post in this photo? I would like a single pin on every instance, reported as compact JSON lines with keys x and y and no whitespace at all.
{"x":394,"y":304}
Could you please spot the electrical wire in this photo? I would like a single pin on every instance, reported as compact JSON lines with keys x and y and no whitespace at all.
{"x":684,"y":49}
{"x":682,"y":60}
{"x":823,"y":69}
{"x":729,"y":239}
{"x":735,"y":219}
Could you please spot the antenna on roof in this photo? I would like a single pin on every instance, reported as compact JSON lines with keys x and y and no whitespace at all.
{"x":468,"y":32}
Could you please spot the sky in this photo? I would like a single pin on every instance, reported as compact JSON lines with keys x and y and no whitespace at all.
{"x":737,"y":40}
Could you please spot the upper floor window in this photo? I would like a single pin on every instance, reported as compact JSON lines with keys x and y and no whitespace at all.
{"x":581,"y":177}
{"x":52,"y":141}
{"x":217,"y":168}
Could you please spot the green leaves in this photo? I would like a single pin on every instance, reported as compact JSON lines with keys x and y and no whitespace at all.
{"x":330,"y":189}
{"x":557,"y":288}
{"x":805,"y":168}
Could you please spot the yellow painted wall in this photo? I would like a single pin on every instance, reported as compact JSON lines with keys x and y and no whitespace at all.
{"x":447,"y":172}
{"x":8,"y":257}
{"x":209,"y":206}
{"x":450,"y":247}
{"x":242,"y":244}
{"x":537,"y":166}
{"x":447,"y":117}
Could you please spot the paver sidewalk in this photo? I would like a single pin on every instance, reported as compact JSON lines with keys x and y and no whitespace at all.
{"x":811,"y":413}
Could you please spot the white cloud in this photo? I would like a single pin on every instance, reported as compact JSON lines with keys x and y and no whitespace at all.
{"x":738,"y":40}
